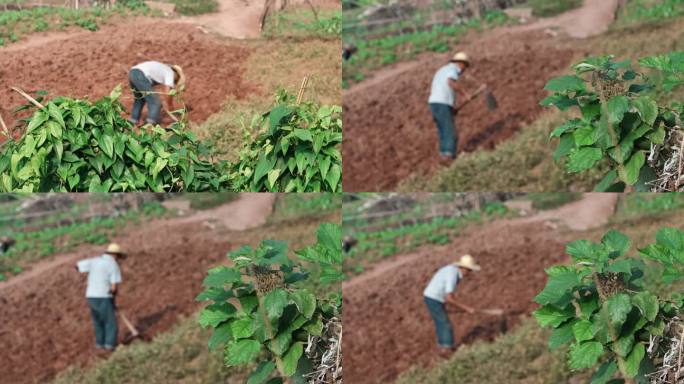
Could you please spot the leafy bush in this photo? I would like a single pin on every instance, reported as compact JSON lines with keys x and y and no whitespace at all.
{"x":195,"y":7}
{"x":279,"y":322}
{"x":299,"y":152}
{"x":620,"y":122}
{"x":76,"y":145}
{"x":600,"y":305}
{"x":545,"y":8}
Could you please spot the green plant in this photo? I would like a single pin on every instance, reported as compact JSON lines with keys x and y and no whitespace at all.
{"x":620,"y":123}
{"x":75,"y":145}
{"x":195,"y":7}
{"x":545,"y":8}
{"x":298,"y":152}
{"x":600,"y":305}
{"x":277,"y":317}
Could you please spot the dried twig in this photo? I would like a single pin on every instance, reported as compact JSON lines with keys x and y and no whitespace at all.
{"x":679,"y":168}
{"x":679,"y":356}
{"x":28,"y":97}
{"x":4,"y":127}
{"x":300,"y":95}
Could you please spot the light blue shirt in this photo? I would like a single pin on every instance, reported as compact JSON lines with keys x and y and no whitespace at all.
{"x":103,"y":271}
{"x":443,"y":283}
{"x":441,"y":92}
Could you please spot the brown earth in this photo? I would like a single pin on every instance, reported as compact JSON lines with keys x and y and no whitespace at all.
{"x":389,"y":131}
{"x":90,"y":64}
{"x":45,"y":323}
{"x":387,"y":326}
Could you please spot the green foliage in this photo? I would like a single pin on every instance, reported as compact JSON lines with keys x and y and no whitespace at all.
{"x":650,"y":10}
{"x":75,"y":145}
{"x":16,"y":24}
{"x":620,"y":123}
{"x":195,"y":7}
{"x":276,"y":311}
{"x":552,"y":200}
{"x":546,"y":8}
{"x":298,"y":152}
{"x":600,"y":305}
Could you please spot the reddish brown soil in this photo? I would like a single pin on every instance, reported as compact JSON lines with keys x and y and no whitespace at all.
{"x":387,"y":326}
{"x":389,"y":131}
{"x":92,"y":63}
{"x":45,"y":323}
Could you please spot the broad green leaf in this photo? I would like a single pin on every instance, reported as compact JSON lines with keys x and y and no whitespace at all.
{"x":623,"y":346}
{"x":647,"y":304}
{"x":220,"y":336}
{"x":558,"y":288}
{"x":648,"y":109}
{"x":583,"y":330}
{"x":607,"y":182}
{"x":215,"y":315}
{"x":569,"y":83}
{"x":549,"y":315}
{"x":581,"y":250}
{"x":569,"y":126}
{"x":565,"y":145}
{"x":288,"y":364}
{"x":618,"y":307}
{"x":305,"y":301}
{"x":303,"y":134}
{"x":633,"y":360}
{"x":264,"y":165}
{"x":616,"y":241}
{"x":274,"y":302}
{"x":617,"y":107}
{"x":630,"y":175}
{"x":107,"y":145}
{"x":55,"y":129}
{"x":220,"y":276}
{"x":333,"y":178}
{"x":587,"y":135}
{"x":561,"y":335}
{"x":38,"y":119}
{"x":273,"y":177}
{"x":261,"y":373}
{"x":604,"y":373}
{"x":242,"y":352}
{"x":585,"y":355}
{"x":242,"y":328}
{"x":671,"y":238}
{"x":581,"y":159}
{"x":276,"y":116}
{"x":315,"y":327}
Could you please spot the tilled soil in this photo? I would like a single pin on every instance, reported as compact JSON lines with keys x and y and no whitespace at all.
{"x":45,"y":323}
{"x":389,"y":130}
{"x":91,"y":64}
{"x":387,"y":326}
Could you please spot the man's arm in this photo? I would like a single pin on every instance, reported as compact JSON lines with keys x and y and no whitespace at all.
{"x":170,"y":107}
{"x":451,"y":299}
{"x":457,"y":88}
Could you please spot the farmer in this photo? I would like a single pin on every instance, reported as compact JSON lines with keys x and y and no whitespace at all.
{"x":347,"y":51}
{"x":144,"y":79}
{"x":442,"y":100}
{"x":441,"y":291}
{"x":104,"y":276}
{"x":5,"y":244}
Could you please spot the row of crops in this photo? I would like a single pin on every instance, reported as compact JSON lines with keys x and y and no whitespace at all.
{"x":71,"y":145}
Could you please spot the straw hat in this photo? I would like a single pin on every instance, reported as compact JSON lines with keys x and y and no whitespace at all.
{"x":467,"y":261}
{"x":114,"y":249}
{"x":461,"y":57}
{"x":181,"y":74}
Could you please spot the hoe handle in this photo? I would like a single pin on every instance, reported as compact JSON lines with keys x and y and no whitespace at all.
{"x":475,"y":94}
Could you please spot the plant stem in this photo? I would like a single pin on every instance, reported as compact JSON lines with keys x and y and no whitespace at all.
{"x":611,"y":330}
{"x":611,"y":131}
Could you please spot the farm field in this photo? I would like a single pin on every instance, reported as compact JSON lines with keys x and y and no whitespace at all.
{"x":515,"y":58}
{"x":169,"y":257}
{"x":233,"y":77}
{"x":384,"y":308}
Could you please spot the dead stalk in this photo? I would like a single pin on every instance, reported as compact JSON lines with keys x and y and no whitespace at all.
{"x":28,"y":97}
{"x":300,"y":95}
{"x":679,"y":167}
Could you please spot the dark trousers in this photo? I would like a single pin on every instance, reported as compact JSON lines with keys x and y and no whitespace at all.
{"x":448,"y":137}
{"x":104,"y":320}
{"x":143,"y":91}
{"x":445,"y":335}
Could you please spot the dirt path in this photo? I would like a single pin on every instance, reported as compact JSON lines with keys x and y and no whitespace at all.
{"x":45,"y":324}
{"x":389,"y":131}
{"x":238,"y":19}
{"x":388,"y":328}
